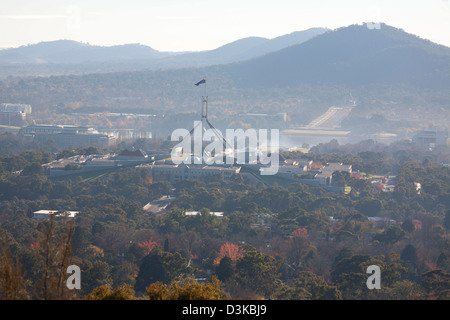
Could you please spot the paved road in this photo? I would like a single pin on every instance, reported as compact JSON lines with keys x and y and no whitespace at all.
{"x":159,"y":205}
{"x":390,"y":184}
{"x":331,"y":118}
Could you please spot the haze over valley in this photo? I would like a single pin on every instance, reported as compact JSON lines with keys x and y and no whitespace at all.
{"x":288,"y":150}
{"x":394,"y":83}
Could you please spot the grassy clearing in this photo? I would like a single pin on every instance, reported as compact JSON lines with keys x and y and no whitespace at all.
{"x":87,"y":176}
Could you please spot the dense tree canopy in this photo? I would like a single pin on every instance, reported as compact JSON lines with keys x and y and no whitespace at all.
{"x":282,"y":241}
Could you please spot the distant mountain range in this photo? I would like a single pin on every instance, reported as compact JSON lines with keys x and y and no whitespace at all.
{"x":68,"y":51}
{"x":353,"y":55}
{"x":247,"y":48}
{"x":72,"y":52}
{"x":293,"y":73}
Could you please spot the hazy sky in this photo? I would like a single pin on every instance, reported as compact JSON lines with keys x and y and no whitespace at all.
{"x":190,"y":25}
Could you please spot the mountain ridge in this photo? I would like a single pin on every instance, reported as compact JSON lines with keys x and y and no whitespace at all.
{"x":70,"y":51}
{"x":251,"y":47}
{"x":350,"y":55}
{"x":388,"y":71}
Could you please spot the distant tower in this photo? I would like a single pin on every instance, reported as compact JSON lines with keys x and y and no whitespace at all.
{"x":352,"y":100}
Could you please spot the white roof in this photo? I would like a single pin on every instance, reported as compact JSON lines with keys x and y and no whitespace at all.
{"x":194,"y":213}
{"x":50,"y":212}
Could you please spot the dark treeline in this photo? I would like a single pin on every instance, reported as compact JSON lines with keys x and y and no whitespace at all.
{"x":287,"y":241}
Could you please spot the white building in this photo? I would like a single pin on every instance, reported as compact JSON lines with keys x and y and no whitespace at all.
{"x":431,"y":138}
{"x":292,"y":169}
{"x":15,"y":108}
{"x":382,"y":222}
{"x":14,"y":114}
{"x":325,"y":175}
{"x":195,"y":213}
{"x":67,"y":135}
{"x":46,"y":214}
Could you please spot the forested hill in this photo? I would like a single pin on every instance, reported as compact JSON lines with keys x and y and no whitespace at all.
{"x":68,"y":51}
{"x":352,"y":55}
{"x":243,"y":49}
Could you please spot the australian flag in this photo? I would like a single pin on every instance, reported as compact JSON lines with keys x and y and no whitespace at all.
{"x":201,"y":81}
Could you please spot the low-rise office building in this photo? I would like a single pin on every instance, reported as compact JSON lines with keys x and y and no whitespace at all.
{"x":14,"y":114}
{"x":431,"y":138}
{"x":66,"y":135}
{"x":325,"y":175}
{"x":174,"y":173}
{"x":82,"y":164}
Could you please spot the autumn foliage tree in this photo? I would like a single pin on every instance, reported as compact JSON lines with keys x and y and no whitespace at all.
{"x":230,"y":250}
{"x":105,"y":292}
{"x":147,"y":245}
{"x":186,"y":289}
{"x":12,"y":284}
{"x":300,"y":233}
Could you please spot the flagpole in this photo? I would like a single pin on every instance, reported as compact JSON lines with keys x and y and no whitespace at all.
{"x":206,"y":100}
{"x":205,"y":122}
{"x":205,"y":87}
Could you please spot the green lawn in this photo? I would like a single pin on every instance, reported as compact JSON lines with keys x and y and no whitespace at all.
{"x":88,"y":176}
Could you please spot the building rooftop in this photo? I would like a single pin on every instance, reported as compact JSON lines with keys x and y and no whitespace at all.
{"x":334,"y":166}
{"x":194,"y":213}
{"x":189,"y":166}
{"x":45,"y":214}
{"x":135,"y":153}
{"x":15,"y":107}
